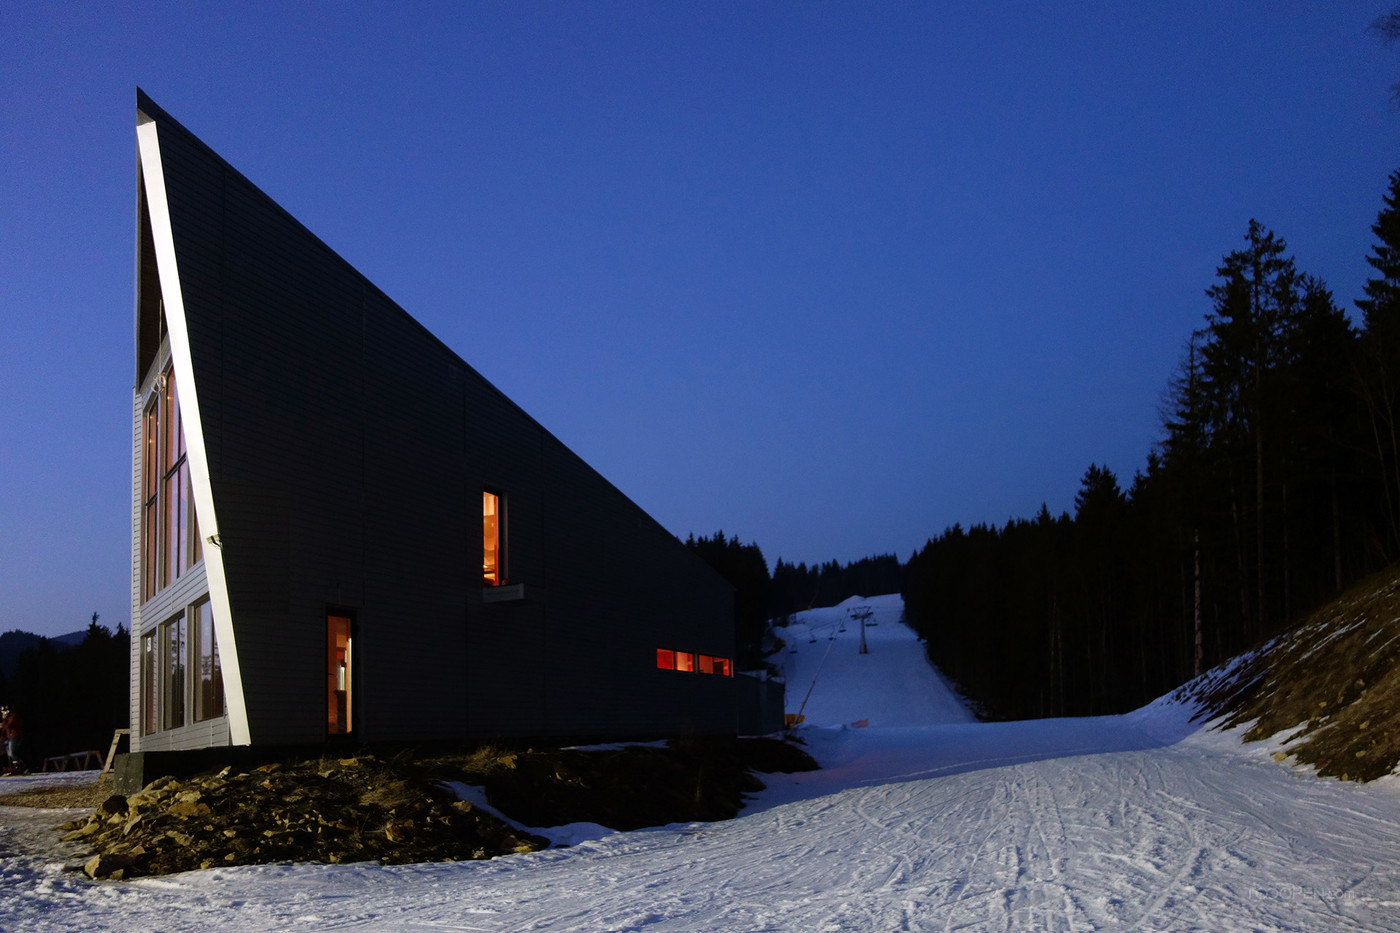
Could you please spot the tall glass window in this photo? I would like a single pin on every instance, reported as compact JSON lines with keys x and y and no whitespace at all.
{"x":173,"y":644}
{"x":493,"y":563}
{"x":209,"y":678}
{"x":170,"y":543}
{"x":150,"y":681}
{"x":150,"y":498}
{"x":175,"y":545}
{"x":339,"y":676}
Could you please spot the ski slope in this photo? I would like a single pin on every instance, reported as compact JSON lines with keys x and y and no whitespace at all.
{"x":891,"y":685}
{"x":1137,"y":822}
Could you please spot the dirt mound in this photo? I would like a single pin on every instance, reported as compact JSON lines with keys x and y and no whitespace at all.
{"x":400,"y":811}
{"x":343,"y":810}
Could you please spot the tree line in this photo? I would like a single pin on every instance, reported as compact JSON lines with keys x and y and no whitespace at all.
{"x":70,"y":698}
{"x":1275,"y":484}
{"x":760,"y":596}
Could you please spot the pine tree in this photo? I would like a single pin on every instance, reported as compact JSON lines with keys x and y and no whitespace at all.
{"x":1380,"y":367}
{"x":1256,"y":295}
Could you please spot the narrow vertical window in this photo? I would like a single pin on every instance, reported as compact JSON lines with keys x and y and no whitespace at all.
{"x":339,"y":671}
{"x":196,"y":548}
{"x":209,"y":678}
{"x":150,"y":497}
{"x":150,"y":680}
{"x":173,"y":646}
{"x":175,"y":546}
{"x":493,"y":563}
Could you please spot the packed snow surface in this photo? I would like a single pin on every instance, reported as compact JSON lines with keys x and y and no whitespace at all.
{"x":891,"y":684}
{"x":1136,"y":822}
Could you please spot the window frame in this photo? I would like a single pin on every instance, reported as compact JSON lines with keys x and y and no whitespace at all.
{"x":207,"y":685}
{"x":336,"y":621}
{"x":150,"y":680}
{"x":170,"y":544}
{"x":150,"y":499}
{"x":174,"y":666}
{"x":496,"y":572}
{"x":692,"y":662}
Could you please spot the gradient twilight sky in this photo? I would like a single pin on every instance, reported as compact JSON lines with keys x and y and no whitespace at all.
{"x":830,"y":276}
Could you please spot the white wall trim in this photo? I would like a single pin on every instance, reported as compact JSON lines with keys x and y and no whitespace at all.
{"x":153,"y":178}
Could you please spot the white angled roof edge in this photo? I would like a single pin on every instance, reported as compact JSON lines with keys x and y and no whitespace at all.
{"x":153,"y":177}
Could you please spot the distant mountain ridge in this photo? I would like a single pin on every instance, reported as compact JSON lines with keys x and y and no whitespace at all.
{"x":15,"y":643}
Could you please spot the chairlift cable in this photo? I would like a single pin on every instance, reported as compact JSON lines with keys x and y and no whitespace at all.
{"x":817,"y":674}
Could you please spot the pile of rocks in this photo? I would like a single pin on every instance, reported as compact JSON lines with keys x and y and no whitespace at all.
{"x":340,"y":810}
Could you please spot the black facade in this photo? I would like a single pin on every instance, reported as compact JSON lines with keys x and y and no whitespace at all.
{"x":345,"y":452}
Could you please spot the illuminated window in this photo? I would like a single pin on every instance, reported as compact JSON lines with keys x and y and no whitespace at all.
{"x":669,"y":660}
{"x":170,"y":543}
{"x":339,"y":674}
{"x":209,"y":678}
{"x":493,"y":538}
{"x":172,"y":647}
{"x":709,"y":665}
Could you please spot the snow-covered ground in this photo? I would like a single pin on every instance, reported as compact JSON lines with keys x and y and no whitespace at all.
{"x":891,"y":685}
{"x":1137,"y":822}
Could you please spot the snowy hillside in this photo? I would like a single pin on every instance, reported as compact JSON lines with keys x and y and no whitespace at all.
{"x":1136,"y":822}
{"x":890,"y":685}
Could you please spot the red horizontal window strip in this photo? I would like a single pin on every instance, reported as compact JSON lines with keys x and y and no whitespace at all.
{"x":670,"y":660}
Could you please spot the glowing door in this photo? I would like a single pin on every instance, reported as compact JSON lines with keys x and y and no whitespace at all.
{"x":339,"y":675}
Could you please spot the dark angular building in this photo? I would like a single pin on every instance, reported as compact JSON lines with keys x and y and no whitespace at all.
{"x":341,"y":529}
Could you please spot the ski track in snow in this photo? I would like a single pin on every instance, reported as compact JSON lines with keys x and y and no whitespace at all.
{"x":1137,"y":822}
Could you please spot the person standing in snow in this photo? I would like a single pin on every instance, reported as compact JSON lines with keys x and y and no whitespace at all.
{"x":12,"y":731}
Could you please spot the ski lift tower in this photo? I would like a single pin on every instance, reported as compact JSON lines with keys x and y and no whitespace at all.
{"x":862,"y":614}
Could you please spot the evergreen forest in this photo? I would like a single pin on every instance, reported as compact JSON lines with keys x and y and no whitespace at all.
{"x":759,"y":596}
{"x":70,"y":697}
{"x":1275,"y":484}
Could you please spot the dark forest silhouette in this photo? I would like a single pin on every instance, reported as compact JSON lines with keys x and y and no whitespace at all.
{"x":1276,"y":484}
{"x":70,"y":697}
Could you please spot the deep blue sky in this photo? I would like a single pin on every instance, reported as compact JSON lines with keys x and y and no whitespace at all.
{"x":829,"y":276}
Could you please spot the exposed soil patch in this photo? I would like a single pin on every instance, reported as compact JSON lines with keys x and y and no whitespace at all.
{"x":1332,"y":685}
{"x":632,"y":786}
{"x":58,"y":798}
{"x":399,"y":810}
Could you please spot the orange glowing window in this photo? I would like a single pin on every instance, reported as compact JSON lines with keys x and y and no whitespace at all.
{"x":492,"y":553}
{"x":339,"y":671}
{"x":669,"y":660}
